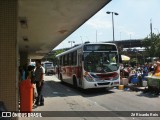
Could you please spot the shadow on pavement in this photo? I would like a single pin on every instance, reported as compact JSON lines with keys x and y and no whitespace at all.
{"x":95,"y":92}
{"x":148,"y":94}
{"x":143,"y":91}
{"x":58,"y":89}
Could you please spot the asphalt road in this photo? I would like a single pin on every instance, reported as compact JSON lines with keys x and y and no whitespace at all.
{"x":63,"y":97}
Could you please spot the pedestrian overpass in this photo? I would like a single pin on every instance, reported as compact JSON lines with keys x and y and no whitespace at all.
{"x":31,"y":28}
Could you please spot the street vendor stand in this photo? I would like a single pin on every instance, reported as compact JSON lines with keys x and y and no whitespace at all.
{"x":153,"y":83}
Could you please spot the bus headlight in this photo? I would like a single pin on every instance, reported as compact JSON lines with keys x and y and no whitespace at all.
{"x":89,"y":78}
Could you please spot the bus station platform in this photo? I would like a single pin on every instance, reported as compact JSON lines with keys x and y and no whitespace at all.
{"x":59,"y":97}
{"x":64,"y":98}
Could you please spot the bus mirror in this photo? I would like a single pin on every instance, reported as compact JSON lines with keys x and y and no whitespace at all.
{"x":120,"y":58}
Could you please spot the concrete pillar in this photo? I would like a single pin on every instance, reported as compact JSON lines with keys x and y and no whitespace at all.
{"x":23,"y":58}
{"x":9,"y":54}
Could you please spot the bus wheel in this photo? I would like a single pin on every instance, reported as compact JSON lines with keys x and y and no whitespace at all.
{"x":75,"y":82}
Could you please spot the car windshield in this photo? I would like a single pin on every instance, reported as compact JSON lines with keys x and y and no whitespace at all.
{"x":100,"y":62}
{"x":48,"y":65}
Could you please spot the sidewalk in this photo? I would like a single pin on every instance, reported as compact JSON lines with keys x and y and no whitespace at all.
{"x":59,"y":97}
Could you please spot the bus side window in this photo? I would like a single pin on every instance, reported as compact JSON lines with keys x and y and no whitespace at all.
{"x":72,"y":55}
{"x":67,"y":63}
{"x":66,"y":59}
{"x":63,"y":60}
{"x":70,"y":59}
{"x":75,"y":58}
{"x":60,"y":61}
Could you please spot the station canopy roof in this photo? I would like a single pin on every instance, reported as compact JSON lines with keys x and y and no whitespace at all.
{"x":43,"y":24}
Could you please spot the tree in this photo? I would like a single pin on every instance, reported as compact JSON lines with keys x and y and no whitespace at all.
{"x":152,"y":45}
{"x":52,"y":56}
{"x":157,"y":48}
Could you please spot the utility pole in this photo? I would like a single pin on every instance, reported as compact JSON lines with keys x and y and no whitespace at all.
{"x":96,"y":36}
{"x":71,"y":42}
{"x":113,"y":13}
{"x":151,"y":28}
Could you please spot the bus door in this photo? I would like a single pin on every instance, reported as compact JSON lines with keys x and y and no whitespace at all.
{"x":79,"y":69}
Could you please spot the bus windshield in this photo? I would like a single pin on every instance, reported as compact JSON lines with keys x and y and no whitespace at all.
{"x":100,"y":62}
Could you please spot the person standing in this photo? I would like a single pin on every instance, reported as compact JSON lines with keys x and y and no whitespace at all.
{"x":157,"y":68}
{"x":39,"y":80}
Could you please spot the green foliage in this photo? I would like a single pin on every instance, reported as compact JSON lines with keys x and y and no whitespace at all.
{"x":152,"y":45}
{"x":134,"y":60}
{"x":52,"y":56}
{"x":59,"y":51}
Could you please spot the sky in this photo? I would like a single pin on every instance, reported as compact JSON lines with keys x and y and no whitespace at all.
{"x":133,"y":22}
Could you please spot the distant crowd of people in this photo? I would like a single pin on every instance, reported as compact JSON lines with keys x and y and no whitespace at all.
{"x":137,"y":74}
{"x":146,"y":69}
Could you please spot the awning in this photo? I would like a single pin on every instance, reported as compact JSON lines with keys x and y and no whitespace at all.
{"x":125,"y":58}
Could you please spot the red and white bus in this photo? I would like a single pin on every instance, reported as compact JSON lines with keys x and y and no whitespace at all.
{"x":91,"y":65}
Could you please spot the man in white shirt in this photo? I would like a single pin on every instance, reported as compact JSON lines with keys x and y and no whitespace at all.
{"x":39,"y":79}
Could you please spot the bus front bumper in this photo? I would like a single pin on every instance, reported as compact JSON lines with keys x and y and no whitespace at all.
{"x":105,"y":84}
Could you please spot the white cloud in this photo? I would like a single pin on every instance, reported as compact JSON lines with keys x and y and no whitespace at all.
{"x":99,"y":21}
{"x":133,"y":21}
{"x":99,"y":33}
{"x":123,"y":29}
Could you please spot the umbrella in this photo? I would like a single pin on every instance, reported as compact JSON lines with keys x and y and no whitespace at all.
{"x":125,"y":58}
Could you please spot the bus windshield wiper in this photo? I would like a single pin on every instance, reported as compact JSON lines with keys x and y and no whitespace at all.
{"x":107,"y":69}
